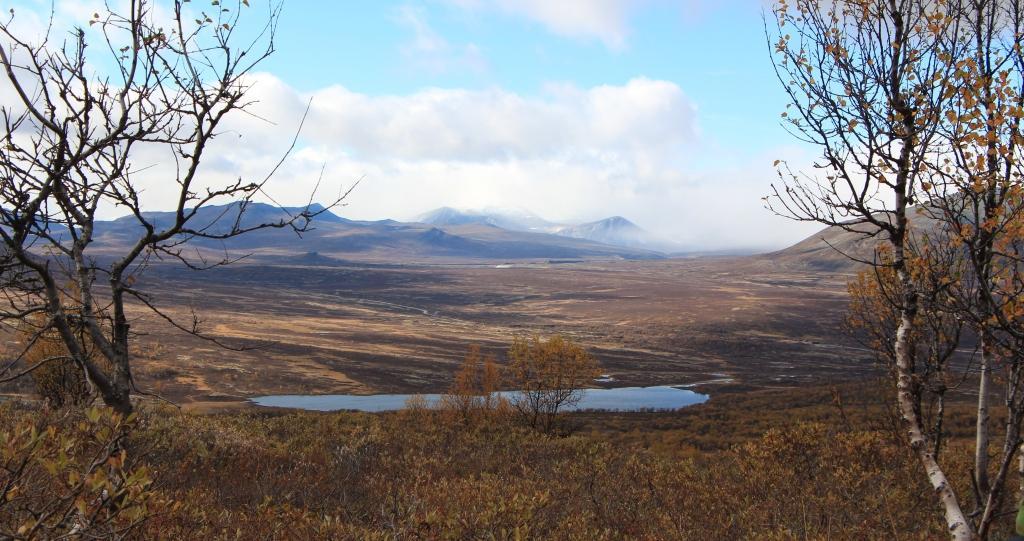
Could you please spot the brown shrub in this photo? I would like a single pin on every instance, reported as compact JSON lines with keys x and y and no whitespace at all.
{"x":57,"y":379}
{"x":473,"y":396}
{"x":257,"y":475}
{"x":68,"y":477}
{"x":393,"y":476}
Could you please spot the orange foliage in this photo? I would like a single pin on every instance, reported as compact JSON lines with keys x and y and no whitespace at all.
{"x":472,"y":395}
{"x":550,"y":376}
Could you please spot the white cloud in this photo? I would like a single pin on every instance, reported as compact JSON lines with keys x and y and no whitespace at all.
{"x":607,"y":21}
{"x":429,"y":50}
{"x":645,"y":116}
{"x":425,"y":39}
{"x":604,"y":20}
{"x":571,"y":154}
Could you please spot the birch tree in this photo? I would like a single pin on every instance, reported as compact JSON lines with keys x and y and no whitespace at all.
{"x":866,"y":81}
{"x":968,"y":183}
{"x":976,"y":197}
{"x":935,"y":338}
{"x":550,"y":375}
{"x":139,"y":76}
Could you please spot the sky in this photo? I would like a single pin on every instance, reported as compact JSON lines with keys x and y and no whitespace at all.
{"x":665,"y":112}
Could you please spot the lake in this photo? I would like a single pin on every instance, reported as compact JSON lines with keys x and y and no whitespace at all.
{"x":662,"y":397}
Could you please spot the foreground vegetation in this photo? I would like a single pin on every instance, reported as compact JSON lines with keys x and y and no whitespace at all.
{"x":823,"y":473}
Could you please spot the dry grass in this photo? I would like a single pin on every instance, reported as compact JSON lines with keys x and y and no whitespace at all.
{"x":404,"y":329}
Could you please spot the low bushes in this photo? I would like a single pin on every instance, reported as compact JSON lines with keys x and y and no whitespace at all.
{"x":427,"y":474}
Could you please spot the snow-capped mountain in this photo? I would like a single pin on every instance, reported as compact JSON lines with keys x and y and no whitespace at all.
{"x":614,"y":231}
{"x":618,"y":231}
{"x":511,"y":219}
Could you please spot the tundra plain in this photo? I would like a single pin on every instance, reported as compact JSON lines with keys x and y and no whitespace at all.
{"x":713,"y":323}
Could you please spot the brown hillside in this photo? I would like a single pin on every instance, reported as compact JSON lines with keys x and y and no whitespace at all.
{"x":837,"y":249}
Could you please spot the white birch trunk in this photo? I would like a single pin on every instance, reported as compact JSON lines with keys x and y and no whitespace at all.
{"x":1020,"y":473}
{"x":982,"y":438}
{"x":960,"y":528}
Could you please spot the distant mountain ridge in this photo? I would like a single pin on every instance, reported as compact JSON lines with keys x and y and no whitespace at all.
{"x":613,"y":231}
{"x":227,"y":214}
{"x":453,"y":236}
{"x":513,"y":220}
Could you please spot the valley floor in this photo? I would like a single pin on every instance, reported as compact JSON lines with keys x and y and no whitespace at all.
{"x":740,"y":323}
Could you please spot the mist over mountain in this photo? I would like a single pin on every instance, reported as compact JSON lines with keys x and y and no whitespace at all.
{"x":492,"y":234}
{"x":619,"y":231}
{"x":613,"y":231}
{"x":511,"y":219}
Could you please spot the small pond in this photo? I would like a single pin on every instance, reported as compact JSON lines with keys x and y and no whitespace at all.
{"x":662,"y":397}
